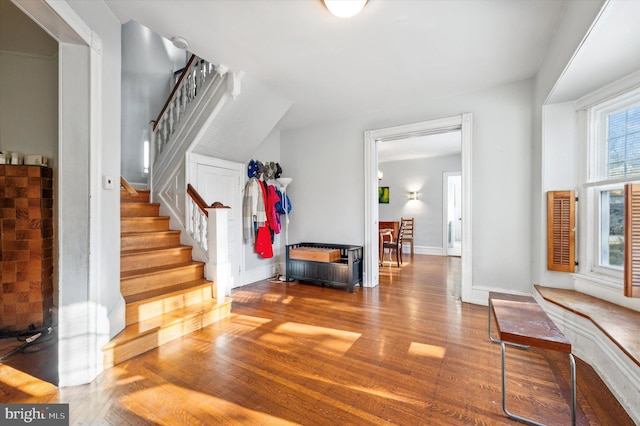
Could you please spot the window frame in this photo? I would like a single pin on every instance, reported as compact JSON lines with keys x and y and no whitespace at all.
{"x":597,"y":179}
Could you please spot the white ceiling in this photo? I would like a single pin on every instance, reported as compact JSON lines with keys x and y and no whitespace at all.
{"x":610,"y":52}
{"x":394,"y":51}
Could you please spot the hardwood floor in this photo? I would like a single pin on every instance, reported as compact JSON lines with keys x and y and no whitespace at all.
{"x":406,"y":352}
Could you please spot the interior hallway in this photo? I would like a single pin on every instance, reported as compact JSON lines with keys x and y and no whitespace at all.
{"x":406,"y":352}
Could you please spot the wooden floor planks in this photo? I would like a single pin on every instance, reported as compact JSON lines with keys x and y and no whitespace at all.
{"x":407,"y":352}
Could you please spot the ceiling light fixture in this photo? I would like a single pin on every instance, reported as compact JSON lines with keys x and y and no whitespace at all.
{"x":345,"y":8}
{"x":180,"y":42}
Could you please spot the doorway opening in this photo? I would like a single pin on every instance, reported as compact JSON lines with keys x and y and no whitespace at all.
{"x":412,"y":171}
{"x":452,"y":213}
{"x":464,"y":123}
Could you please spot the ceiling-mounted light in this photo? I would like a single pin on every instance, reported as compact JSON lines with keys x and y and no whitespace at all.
{"x":345,"y":8}
{"x":180,"y":42}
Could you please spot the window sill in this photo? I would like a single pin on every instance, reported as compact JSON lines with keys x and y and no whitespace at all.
{"x":604,"y":287}
{"x":620,"y":325}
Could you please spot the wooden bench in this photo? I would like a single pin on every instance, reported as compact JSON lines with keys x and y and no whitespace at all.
{"x":521,"y":323}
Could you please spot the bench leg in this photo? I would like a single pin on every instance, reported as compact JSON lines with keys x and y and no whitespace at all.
{"x":504,"y":390}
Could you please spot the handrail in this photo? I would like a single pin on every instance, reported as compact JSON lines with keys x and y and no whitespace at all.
{"x":127,"y":186}
{"x":185,"y":71}
{"x":197,"y":199}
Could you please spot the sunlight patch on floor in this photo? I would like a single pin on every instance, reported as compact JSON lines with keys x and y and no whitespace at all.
{"x":422,"y":349}
{"x":155,"y":406}
{"x":369,"y":390}
{"x":243,"y":296}
{"x":24,"y":382}
{"x":333,"y":340}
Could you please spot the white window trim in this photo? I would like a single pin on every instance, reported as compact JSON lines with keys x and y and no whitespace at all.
{"x":590,"y":273}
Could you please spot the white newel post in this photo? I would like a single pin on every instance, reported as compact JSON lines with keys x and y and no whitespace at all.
{"x":218,"y":268}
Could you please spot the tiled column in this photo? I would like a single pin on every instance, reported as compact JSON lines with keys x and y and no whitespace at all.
{"x":26,"y":253}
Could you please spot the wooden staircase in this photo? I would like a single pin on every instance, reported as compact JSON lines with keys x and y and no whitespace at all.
{"x":165,"y":291}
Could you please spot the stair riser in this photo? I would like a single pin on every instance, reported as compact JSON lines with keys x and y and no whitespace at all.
{"x":150,"y":241}
{"x":144,"y":224}
{"x":135,"y":285}
{"x":152,"y":259}
{"x":139,"y":210}
{"x":151,"y":340}
{"x":144,"y":310}
{"x":141,"y":197}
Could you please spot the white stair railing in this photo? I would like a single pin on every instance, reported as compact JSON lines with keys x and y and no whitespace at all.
{"x":209,"y":229}
{"x":197,"y":222}
{"x":196,"y":74}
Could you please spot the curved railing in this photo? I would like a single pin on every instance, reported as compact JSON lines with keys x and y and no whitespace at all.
{"x":195,"y":75}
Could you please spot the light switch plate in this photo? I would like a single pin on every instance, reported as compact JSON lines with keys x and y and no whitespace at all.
{"x":107,"y":182}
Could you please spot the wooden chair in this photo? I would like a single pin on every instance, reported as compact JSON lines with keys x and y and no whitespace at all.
{"x":408,"y":231}
{"x":396,"y":244}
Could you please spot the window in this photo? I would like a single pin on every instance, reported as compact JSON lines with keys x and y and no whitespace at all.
{"x":614,"y":161}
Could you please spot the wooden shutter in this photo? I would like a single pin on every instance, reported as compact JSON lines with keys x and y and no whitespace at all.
{"x":632,"y":240}
{"x":561,"y":235}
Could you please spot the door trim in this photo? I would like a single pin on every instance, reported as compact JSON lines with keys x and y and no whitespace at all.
{"x":462,"y":122}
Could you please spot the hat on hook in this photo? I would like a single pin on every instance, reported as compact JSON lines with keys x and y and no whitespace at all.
{"x":278,"y":172}
{"x":260,"y":168}
{"x":252,"y":169}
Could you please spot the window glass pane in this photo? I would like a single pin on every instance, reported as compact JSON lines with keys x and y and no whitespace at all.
{"x":623,"y":143}
{"x":633,"y":120}
{"x":612,"y":228}
{"x":617,"y":124}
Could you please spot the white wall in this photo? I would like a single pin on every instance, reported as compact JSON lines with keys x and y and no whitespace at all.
{"x":29,"y":104}
{"x":327,"y":167}
{"x":575,"y":23}
{"x":148,"y":63}
{"x":425,"y":176}
{"x":107,"y":27}
{"x":560,"y":156}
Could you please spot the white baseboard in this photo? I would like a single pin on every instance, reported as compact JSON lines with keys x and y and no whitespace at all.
{"x":258,"y":274}
{"x":589,"y":343}
{"x":433,"y":251}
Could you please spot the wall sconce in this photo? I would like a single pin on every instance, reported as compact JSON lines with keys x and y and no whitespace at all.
{"x":380,"y":174}
{"x":412,"y":195}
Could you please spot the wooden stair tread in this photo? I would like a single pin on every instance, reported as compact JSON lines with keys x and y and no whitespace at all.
{"x":169,"y":319}
{"x":139,"y":202}
{"x":167,"y":291}
{"x":133,"y":234}
{"x":152,"y":251}
{"x":134,"y":218}
{"x":158,"y":269}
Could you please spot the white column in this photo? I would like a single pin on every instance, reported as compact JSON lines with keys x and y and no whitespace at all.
{"x":218,"y":268}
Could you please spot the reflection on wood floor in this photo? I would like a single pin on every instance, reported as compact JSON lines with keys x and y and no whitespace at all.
{"x":407,"y":352}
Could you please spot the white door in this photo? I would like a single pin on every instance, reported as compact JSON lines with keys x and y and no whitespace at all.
{"x":220,"y":180}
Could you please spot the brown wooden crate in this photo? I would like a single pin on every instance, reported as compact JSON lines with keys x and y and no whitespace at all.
{"x":315,"y":254}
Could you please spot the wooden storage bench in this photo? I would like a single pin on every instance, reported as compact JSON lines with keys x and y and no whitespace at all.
{"x":327,"y":264}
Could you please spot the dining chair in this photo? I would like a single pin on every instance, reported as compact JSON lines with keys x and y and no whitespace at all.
{"x":396,"y":244}
{"x":408,"y":231}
